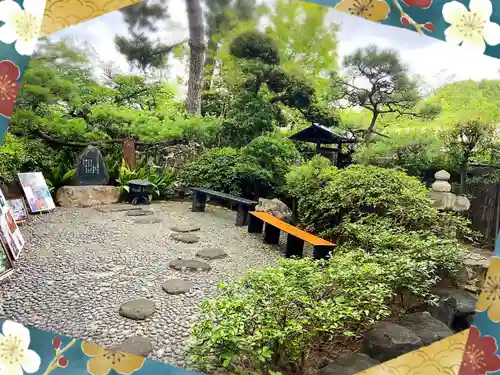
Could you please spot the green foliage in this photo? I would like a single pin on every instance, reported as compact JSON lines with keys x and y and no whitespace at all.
{"x":20,"y":154}
{"x":163,"y":179}
{"x":228,"y":170}
{"x":255,"y":45}
{"x":417,"y":152}
{"x":275,"y":155}
{"x":246,"y":117}
{"x":383,"y":212}
{"x":309,"y":177}
{"x":58,"y":176}
{"x":390,"y":89}
{"x":272,"y":318}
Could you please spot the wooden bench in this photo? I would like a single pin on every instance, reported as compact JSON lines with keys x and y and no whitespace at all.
{"x":244,"y":205}
{"x":296,"y":237}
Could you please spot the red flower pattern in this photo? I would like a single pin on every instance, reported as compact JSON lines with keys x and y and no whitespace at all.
{"x":479,"y":354}
{"x":418,"y":3}
{"x":9,"y":87}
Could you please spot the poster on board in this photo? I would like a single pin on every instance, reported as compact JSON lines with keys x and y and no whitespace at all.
{"x":10,"y":233}
{"x":19,"y":209}
{"x":3,"y":201}
{"x":36,"y":191}
{"x":5,"y":263}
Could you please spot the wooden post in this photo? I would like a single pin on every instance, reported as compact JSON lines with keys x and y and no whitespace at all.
{"x":129,"y":153}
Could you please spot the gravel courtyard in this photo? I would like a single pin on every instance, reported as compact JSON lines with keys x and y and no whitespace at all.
{"x":80,"y":265}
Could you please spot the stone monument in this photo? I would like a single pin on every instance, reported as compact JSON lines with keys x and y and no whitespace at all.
{"x":90,"y":168}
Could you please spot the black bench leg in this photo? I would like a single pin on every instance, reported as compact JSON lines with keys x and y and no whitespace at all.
{"x":294,"y":247}
{"x":241,"y":216}
{"x":255,"y":225}
{"x":271,"y":234}
{"x":199,"y":201}
{"x":322,"y":252}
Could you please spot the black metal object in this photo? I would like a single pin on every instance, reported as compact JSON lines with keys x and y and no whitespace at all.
{"x":244,"y":205}
{"x":294,"y":246}
{"x":322,"y":252}
{"x":271,"y":234}
{"x":255,"y":225}
{"x":139,"y":191}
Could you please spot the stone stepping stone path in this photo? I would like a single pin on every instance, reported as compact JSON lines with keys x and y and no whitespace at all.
{"x":185,"y":228}
{"x":139,"y":212}
{"x":185,"y":237}
{"x":211,"y":253}
{"x":119,"y":207}
{"x":190,"y":265}
{"x":148,"y":220}
{"x":137,"y":345}
{"x":177,"y":286}
{"x":137,"y":309}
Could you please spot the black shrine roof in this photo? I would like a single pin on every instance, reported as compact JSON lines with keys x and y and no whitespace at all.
{"x":320,"y":134}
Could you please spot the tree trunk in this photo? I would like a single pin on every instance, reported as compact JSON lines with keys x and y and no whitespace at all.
{"x":369,"y":131}
{"x":196,"y":57}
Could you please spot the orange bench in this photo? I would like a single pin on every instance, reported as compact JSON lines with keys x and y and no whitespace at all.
{"x":296,"y":236}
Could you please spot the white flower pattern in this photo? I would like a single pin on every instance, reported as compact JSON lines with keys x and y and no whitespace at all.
{"x":21,"y":25}
{"x":15,"y":357}
{"x":471,"y":28}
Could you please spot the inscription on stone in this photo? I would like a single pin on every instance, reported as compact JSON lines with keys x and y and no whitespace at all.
{"x":91,"y":169}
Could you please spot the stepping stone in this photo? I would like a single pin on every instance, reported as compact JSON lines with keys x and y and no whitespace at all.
{"x":185,"y":228}
{"x":177,"y":286}
{"x":137,"y":309}
{"x":140,"y":212}
{"x":185,"y":237}
{"x":212,"y":253}
{"x":148,"y":220}
{"x":189,"y":264}
{"x":118,"y":208}
{"x":140,"y":346}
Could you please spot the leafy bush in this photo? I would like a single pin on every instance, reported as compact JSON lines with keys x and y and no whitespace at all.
{"x":272,"y":318}
{"x":416,"y":152}
{"x":163,"y":180}
{"x":383,"y":212}
{"x":228,"y":170}
{"x":276,"y":155}
{"x":20,"y":154}
{"x":309,"y":177}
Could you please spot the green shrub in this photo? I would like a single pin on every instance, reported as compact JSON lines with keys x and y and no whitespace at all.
{"x":276,"y":155}
{"x":20,"y":154}
{"x":383,"y":212}
{"x":309,"y":176}
{"x":163,"y":179}
{"x":228,"y":170}
{"x":272,"y":318}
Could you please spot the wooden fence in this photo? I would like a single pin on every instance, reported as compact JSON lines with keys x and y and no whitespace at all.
{"x":484,"y":212}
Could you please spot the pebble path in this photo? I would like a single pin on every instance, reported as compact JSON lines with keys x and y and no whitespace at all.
{"x":80,"y":265}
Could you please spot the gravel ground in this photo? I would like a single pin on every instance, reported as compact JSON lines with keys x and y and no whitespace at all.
{"x":80,"y":265}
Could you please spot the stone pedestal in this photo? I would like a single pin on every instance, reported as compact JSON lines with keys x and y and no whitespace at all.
{"x":87,"y":196}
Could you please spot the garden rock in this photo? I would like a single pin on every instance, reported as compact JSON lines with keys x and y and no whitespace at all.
{"x":137,"y":309}
{"x":349,"y":364}
{"x":136,"y":345}
{"x":466,"y":302}
{"x":87,"y":196}
{"x":211,"y":253}
{"x":176,"y":156}
{"x":185,"y":237}
{"x":445,"y":310}
{"x":140,"y":212}
{"x":276,"y":208}
{"x":177,"y":286}
{"x":426,"y":327}
{"x":185,"y":228}
{"x":148,"y":220}
{"x":190,"y":265}
{"x":388,"y":340}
